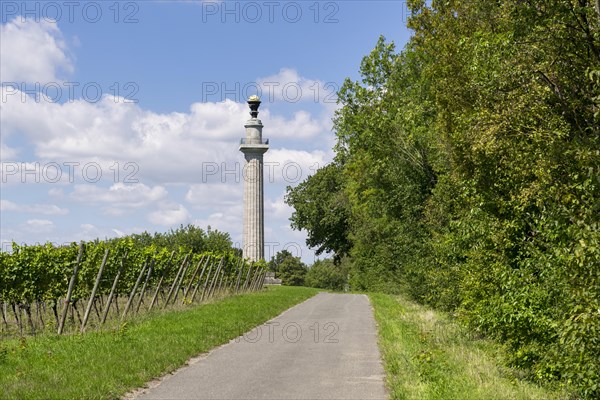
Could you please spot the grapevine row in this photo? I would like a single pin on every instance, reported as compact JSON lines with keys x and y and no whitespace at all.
{"x":69,"y":288}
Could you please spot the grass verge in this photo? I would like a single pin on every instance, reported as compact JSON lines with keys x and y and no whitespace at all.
{"x":428,"y":356}
{"x":101,"y":365}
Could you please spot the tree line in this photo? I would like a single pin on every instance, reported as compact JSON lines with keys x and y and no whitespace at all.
{"x":467,"y":175}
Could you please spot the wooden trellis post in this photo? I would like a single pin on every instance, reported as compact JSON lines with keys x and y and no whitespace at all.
{"x":175,"y":281}
{"x":181,"y":278}
{"x":186,"y":294}
{"x":114,"y":288}
{"x":162,"y":277}
{"x":132,"y":295}
{"x":215,"y":278}
{"x":200,"y":279}
{"x":137,"y":309}
{"x":86,"y":315}
{"x":239,"y":277}
{"x":205,"y":286}
{"x":245,"y":286}
{"x":70,"y":290}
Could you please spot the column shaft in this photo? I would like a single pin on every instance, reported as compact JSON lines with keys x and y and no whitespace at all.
{"x":254,"y":238}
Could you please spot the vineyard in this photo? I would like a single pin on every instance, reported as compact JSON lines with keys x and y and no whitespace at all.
{"x":84,"y":286}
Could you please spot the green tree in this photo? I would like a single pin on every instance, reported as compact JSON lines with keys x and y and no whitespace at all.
{"x":512,"y":214}
{"x":384,"y":144}
{"x":467,"y":166}
{"x":325,"y":274}
{"x":190,"y":237}
{"x":217,"y":241}
{"x":291,"y":270}
{"x":321,"y":208}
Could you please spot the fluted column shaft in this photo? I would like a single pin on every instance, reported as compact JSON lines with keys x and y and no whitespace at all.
{"x":254,"y":235}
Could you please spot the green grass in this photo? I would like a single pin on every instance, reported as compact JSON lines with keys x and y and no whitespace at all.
{"x":107,"y":364}
{"x":428,"y":356}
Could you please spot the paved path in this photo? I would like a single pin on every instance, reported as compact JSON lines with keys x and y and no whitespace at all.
{"x":324,"y":348}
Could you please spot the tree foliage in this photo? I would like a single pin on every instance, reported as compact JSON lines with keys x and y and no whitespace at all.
{"x":469,"y":168}
{"x":190,"y":237}
{"x":325,"y":274}
{"x":321,"y":208}
{"x":291,"y":270}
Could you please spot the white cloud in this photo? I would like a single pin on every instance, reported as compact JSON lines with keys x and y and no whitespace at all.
{"x":293,"y":166}
{"x":222,"y":120}
{"x":56,"y":193}
{"x":88,"y":227}
{"x":46,"y":209}
{"x":7,"y":153}
{"x":39,"y":225}
{"x":287,"y":85}
{"x":170,"y":215}
{"x":278,"y":208}
{"x":167,"y":148}
{"x":207,"y":195}
{"x":119,"y":233}
{"x":89,"y":231}
{"x":119,"y":199}
{"x":32,"y":51}
{"x":228,"y":219}
{"x":301,"y":126}
{"x":119,"y":194}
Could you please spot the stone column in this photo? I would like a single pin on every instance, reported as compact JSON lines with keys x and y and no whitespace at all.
{"x":253,"y":148}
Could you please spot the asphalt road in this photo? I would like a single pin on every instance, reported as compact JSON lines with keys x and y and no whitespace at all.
{"x":323,"y":348}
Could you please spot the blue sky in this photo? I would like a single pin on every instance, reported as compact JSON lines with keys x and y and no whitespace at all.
{"x":120,"y":117}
